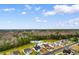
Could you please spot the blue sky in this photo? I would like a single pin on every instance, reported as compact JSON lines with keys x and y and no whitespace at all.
{"x":39,"y":16}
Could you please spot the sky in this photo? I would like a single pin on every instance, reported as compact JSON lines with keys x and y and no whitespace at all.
{"x":39,"y":16}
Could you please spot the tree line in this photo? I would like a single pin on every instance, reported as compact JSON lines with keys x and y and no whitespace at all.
{"x":25,"y":38}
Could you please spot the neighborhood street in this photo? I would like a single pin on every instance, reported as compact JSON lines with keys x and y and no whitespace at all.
{"x":56,"y":50}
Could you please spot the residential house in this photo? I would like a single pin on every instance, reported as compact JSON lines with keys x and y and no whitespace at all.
{"x":27,"y":51}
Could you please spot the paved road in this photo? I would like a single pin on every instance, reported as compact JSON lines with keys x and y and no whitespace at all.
{"x":52,"y":52}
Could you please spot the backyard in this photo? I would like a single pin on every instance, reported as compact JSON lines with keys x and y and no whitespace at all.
{"x":21,"y":48}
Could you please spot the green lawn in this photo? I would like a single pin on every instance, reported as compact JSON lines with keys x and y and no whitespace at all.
{"x":8,"y":52}
{"x":50,"y":40}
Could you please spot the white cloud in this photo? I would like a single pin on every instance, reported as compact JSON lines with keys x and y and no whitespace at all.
{"x":23,"y":12}
{"x":44,"y":10}
{"x":66,"y":8}
{"x":9,"y":21}
{"x":37,"y":19}
{"x":44,"y":21}
{"x":71,"y":22}
{"x":8,"y":9}
{"x":58,"y":9}
{"x":48,"y":13}
{"x":37,"y":8}
{"x":74,"y":21}
{"x":28,"y":7}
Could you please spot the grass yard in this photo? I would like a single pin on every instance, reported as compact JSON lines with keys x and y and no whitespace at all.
{"x":75,"y":47}
{"x":50,"y":40}
{"x":8,"y":52}
{"x":21,"y":48}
